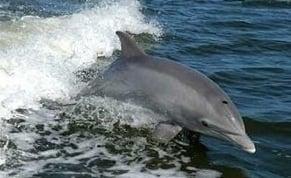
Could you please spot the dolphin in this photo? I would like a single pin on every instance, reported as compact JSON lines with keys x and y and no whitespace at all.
{"x":186,"y":97}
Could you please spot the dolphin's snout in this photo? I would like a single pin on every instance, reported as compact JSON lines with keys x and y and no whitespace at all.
{"x":248,"y":145}
{"x":251,"y":150}
{"x":244,"y":142}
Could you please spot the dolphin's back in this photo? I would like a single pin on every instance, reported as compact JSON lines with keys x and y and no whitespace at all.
{"x":158,"y":74}
{"x":158,"y":84}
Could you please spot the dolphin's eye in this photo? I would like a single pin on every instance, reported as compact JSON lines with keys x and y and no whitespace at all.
{"x":224,"y":102}
{"x":204,"y":123}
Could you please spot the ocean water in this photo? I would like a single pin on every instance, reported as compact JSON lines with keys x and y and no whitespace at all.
{"x":50,"y":50}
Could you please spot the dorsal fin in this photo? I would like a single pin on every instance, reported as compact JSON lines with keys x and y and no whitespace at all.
{"x":128,"y":46}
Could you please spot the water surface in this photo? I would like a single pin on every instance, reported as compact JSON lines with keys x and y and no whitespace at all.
{"x":49,"y":50}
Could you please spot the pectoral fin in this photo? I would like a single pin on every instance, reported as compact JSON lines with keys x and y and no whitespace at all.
{"x":164,"y":132}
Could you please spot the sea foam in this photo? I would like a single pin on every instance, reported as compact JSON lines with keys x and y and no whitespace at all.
{"x":38,"y":56}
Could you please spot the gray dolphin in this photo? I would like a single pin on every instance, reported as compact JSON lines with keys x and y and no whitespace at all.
{"x":186,"y":97}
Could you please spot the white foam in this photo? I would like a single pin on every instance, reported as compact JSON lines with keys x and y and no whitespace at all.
{"x":38,"y":56}
{"x":131,"y":114}
{"x":90,"y":148}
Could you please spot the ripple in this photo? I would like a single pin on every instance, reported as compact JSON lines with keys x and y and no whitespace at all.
{"x":268,"y":3}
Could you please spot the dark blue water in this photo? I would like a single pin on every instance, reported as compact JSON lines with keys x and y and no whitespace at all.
{"x":244,"y":46}
{"x":247,"y":50}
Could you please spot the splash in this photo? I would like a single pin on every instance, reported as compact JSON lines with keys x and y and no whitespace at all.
{"x":39,"y":56}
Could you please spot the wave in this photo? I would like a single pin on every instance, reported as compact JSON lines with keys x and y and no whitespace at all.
{"x":253,"y":46}
{"x":268,"y":3}
{"x":39,"y":56}
{"x":268,"y":128}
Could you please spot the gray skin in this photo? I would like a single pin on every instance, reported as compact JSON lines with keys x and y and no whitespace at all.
{"x":186,"y":97}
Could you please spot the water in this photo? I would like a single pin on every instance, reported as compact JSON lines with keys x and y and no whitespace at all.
{"x":49,"y":50}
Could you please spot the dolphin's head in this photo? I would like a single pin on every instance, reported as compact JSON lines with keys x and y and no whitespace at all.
{"x":221,"y":119}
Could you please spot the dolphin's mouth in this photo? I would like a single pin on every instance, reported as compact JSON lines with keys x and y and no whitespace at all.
{"x":250,"y":150}
{"x":241,"y":140}
{"x":246,"y":143}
